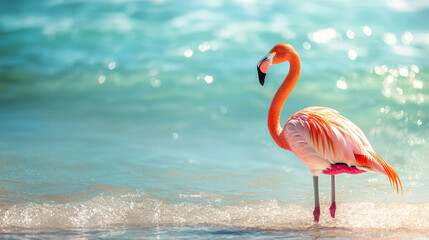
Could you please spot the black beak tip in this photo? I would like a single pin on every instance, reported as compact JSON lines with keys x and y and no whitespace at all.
{"x":261,"y":76}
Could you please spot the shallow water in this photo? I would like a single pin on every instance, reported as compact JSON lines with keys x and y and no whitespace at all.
{"x":146,"y":119}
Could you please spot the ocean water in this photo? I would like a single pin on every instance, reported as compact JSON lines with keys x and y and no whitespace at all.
{"x":145,"y":119}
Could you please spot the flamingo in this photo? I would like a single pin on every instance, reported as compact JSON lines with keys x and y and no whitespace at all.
{"x":320,"y":137}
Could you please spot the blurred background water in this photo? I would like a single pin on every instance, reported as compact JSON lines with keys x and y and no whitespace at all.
{"x":146,"y":119}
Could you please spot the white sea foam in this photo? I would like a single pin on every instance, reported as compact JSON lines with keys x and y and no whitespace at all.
{"x":131,"y":211}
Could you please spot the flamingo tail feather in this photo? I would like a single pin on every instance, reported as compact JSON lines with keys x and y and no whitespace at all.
{"x":365,"y":161}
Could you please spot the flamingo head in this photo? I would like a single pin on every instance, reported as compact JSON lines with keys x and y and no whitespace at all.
{"x":278,"y":54}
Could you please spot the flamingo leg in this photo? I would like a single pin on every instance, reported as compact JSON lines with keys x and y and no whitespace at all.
{"x":316,"y":211}
{"x":333,"y":207}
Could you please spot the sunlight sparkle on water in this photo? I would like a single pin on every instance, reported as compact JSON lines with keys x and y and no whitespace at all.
{"x":208,"y":79}
{"x":417,"y":84}
{"x":155,"y":82}
{"x":112,"y":65}
{"x":204,"y":46}
{"x":394,"y":72}
{"x":367,"y":31}
{"x":306,"y":45}
{"x":352,"y":54}
{"x":175,"y":135}
{"x":407,"y":38}
{"x":350,"y":34}
{"x":101,"y":79}
{"x":380,"y":70}
{"x":341,"y":83}
{"x":390,"y":38}
{"x":323,"y":35}
{"x":419,"y":122}
{"x":188,"y":53}
{"x":403,"y":71}
{"x":385,"y":109}
{"x":399,"y":90}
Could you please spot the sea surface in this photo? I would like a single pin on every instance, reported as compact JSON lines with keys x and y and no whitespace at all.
{"x":145,"y":119}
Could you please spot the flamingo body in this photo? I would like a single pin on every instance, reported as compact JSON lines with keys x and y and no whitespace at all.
{"x":322,"y":138}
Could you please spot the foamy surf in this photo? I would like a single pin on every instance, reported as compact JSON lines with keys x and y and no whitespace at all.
{"x":103,"y":212}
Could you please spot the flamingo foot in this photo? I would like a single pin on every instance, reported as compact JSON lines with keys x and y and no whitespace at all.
{"x":332,"y":209}
{"x":316,"y":213}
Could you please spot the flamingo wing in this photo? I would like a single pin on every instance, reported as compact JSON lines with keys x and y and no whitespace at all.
{"x":321,"y":137}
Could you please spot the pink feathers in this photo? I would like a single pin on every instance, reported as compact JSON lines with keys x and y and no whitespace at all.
{"x":321,"y":138}
{"x":342,"y":168}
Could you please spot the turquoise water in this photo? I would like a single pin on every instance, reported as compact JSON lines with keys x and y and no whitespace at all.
{"x":145,"y":119}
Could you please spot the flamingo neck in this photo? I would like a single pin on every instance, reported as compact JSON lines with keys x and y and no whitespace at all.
{"x":280,"y":98}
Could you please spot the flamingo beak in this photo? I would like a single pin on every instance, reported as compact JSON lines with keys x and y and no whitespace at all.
{"x":263,"y":67}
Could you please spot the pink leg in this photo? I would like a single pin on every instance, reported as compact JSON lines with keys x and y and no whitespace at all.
{"x":333,"y":207}
{"x":316,"y":211}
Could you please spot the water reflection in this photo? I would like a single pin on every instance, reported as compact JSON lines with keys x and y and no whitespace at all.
{"x":389,"y":38}
{"x":208,"y":79}
{"x":188,"y":53}
{"x":306,"y":45}
{"x":407,"y":37}
{"x":367,"y":31}
{"x":155,"y":82}
{"x":352,"y":54}
{"x":350,"y":34}
{"x":401,"y":83}
{"x":341,"y":83}
{"x":204,"y":46}
{"x":112,"y":65}
{"x":323,"y":35}
{"x":101,"y":79}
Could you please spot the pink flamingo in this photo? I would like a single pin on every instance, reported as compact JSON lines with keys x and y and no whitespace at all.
{"x":325,"y":141}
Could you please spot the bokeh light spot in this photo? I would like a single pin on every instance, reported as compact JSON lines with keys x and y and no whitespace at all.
{"x":341,"y":83}
{"x":101,"y":79}
{"x":352,"y":54}
{"x":323,"y":35}
{"x":175,"y":135}
{"x":155,"y":82}
{"x":208,"y":79}
{"x":204,"y":46}
{"x":367,"y":31}
{"x":350,"y":34}
{"x":415,"y":68}
{"x":407,"y":38}
{"x":112,"y":65}
{"x":306,"y":45}
{"x":188,"y":53}
{"x":390,"y":38}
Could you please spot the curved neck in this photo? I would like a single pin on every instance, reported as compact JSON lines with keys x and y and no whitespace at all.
{"x":280,"y":98}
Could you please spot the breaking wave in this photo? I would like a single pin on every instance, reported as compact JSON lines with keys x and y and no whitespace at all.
{"x":135,"y":211}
